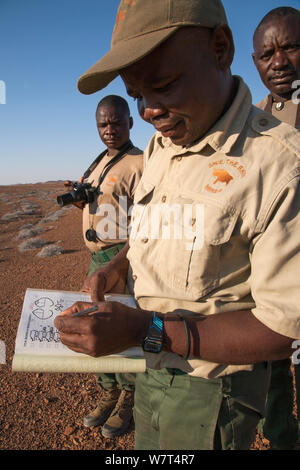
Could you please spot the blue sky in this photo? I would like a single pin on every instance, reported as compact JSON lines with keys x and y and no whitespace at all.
{"x":47,"y":128}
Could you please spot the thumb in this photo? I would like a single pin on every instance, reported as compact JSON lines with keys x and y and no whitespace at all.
{"x":96,"y":288}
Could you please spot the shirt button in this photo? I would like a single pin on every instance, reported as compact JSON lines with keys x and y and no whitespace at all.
{"x":134,"y":277}
{"x":263,"y":122}
{"x":163,"y":199}
{"x":279,"y":106}
{"x":178,"y":159}
{"x":145,"y":240}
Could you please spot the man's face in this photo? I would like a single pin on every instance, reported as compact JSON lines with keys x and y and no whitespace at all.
{"x":178,"y":86}
{"x":277,"y":55}
{"x":113,"y":125}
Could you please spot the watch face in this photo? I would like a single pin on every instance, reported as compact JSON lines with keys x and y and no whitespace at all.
{"x":91,"y":235}
{"x":151,"y":345}
{"x":154,"y":339}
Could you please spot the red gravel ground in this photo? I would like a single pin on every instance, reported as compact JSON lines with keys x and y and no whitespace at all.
{"x":44,"y":411}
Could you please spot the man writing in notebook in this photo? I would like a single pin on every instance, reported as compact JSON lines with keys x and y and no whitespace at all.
{"x":211,"y":290}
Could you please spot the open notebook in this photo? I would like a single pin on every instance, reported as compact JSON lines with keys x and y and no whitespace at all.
{"x":39,"y":349}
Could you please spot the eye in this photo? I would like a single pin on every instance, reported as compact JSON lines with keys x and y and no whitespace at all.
{"x":291,"y":47}
{"x":165,"y":87}
{"x":266,"y":55}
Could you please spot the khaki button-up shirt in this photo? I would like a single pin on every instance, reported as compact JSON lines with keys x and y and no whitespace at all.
{"x":286,"y":111}
{"x":217,"y":230}
{"x":109,"y":213}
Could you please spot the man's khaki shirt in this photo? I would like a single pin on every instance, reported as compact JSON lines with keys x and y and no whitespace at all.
{"x":286,"y":111}
{"x":243,"y":178}
{"x":108,"y":214}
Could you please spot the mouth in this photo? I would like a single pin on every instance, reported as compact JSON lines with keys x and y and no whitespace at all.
{"x":111,"y":141}
{"x":282,"y":78}
{"x":168,"y":130}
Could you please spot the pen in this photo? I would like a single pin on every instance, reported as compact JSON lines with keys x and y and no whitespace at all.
{"x":94,"y":308}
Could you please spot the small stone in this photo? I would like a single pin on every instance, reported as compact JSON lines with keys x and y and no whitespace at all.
{"x":68,"y":431}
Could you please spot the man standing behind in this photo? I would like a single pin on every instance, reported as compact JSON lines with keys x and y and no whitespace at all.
{"x":276,"y":56}
{"x":116,"y":173}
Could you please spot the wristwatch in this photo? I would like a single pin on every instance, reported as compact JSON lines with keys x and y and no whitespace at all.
{"x":154,"y":340}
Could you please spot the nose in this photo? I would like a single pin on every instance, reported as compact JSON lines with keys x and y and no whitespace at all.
{"x":151,"y":110}
{"x":110,"y":130}
{"x":280,"y":60}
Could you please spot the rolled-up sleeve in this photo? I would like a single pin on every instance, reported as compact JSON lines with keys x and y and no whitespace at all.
{"x":275,"y":264}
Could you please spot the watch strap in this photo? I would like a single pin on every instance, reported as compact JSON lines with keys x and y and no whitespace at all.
{"x":154,"y":340}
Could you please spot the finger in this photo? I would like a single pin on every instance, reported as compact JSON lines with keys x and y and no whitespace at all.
{"x":85,"y":286}
{"x":96,"y":285}
{"x":73,"y":325}
{"x":85,"y":289}
{"x":75,"y":342}
{"x":77,"y":307}
{"x":96,"y":296}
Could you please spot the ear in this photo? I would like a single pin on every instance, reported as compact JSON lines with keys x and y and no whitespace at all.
{"x":130,"y":122}
{"x":254,"y":58}
{"x":223,"y":46}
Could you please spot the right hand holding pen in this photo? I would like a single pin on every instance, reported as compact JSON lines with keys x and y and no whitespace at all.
{"x":112,"y":328}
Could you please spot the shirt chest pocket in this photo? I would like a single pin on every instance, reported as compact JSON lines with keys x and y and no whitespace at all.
{"x":192,"y":263}
{"x":184,"y":248}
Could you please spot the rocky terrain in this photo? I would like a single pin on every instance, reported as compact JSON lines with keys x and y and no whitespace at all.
{"x":41,"y":247}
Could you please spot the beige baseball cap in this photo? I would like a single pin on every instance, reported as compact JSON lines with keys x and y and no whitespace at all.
{"x":141,"y":25}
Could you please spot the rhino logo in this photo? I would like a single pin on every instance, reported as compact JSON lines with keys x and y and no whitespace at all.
{"x":222,"y":176}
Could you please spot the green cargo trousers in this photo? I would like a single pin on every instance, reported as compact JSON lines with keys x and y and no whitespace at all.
{"x":110,"y":381}
{"x":280,"y":426}
{"x":174,"y":411}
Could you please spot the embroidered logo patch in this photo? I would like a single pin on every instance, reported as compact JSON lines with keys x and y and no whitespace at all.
{"x":222,"y":176}
{"x":224,"y":173}
{"x":112,"y":180}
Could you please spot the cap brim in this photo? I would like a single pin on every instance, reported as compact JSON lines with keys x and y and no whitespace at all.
{"x":120,"y":56}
